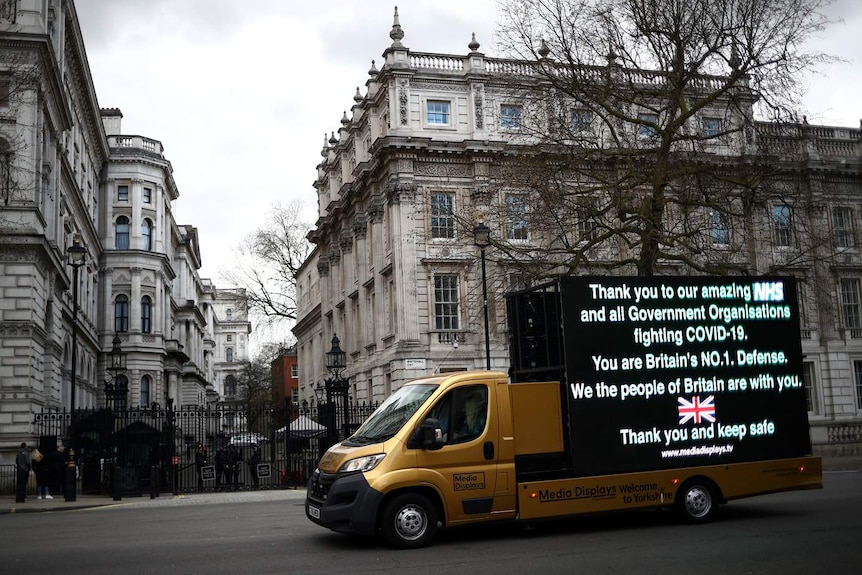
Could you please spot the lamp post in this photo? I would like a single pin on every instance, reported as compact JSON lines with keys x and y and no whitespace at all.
{"x":116,"y":390}
{"x":482,"y":238}
{"x":76,"y":255}
{"x":335,"y":384}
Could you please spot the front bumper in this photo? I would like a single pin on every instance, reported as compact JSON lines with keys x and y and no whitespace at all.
{"x":345,"y":503}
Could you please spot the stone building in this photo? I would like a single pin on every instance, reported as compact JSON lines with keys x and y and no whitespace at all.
{"x":396,"y":275}
{"x":71,"y":177}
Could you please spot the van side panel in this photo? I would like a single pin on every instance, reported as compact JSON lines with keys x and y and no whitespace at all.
{"x":630,"y":491}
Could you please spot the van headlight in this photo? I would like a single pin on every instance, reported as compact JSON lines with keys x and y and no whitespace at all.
{"x":361,"y":464}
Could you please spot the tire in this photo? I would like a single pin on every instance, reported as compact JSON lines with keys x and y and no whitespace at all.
{"x":409,"y":521}
{"x":696,"y":501}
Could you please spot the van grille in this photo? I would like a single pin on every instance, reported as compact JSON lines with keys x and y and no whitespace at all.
{"x":320,"y":485}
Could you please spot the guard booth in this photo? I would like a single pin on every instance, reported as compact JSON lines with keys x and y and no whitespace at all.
{"x":96,"y":450}
{"x":137,"y":452}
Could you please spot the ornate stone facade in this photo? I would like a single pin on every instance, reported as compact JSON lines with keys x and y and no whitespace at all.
{"x":405,"y":299}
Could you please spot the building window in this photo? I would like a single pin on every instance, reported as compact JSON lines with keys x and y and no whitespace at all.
{"x":842,"y":226}
{"x":510,"y":116}
{"x":647,"y":125}
{"x":850,"y":303}
{"x":587,"y":228}
{"x":147,"y":234}
{"x":442,"y":215}
{"x":720,"y":231}
{"x":146,"y":314}
{"x":229,"y":337}
{"x":122,"y":233}
{"x":123,"y":193}
{"x":121,"y":314}
{"x":580,"y":120}
{"x":230,"y":387}
{"x":228,"y":354}
{"x":438,"y":112}
{"x":4,"y":92}
{"x":810,"y":387}
{"x":711,"y":127}
{"x":446,"y":302}
{"x":229,"y":314}
{"x":145,"y":391}
{"x":857,"y":380}
{"x":516,"y":217}
{"x":294,"y":371}
{"x":782,"y":220}
{"x":148,"y":195}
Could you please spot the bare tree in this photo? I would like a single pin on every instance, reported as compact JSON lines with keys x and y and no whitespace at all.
{"x":269,"y":259}
{"x":637,"y":143}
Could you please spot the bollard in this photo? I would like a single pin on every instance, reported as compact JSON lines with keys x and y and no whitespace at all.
{"x":175,"y":462}
{"x":70,"y":489}
{"x":154,"y":478}
{"x":118,"y":491}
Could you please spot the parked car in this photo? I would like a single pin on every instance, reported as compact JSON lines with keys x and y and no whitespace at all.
{"x":247,"y":439}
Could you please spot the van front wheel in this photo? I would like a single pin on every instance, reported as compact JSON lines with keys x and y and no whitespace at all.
{"x":409,"y":521}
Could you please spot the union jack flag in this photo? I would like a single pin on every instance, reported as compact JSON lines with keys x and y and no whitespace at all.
{"x":696,"y":410}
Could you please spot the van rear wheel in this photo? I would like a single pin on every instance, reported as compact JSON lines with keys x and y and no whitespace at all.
{"x":696,"y":501}
{"x":409,"y":521}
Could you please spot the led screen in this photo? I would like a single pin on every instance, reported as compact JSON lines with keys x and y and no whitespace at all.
{"x":668,"y":371}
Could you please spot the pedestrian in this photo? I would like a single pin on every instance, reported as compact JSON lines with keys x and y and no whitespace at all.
{"x":57,"y":469}
{"x":221,"y":467}
{"x":234,"y":458}
{"x":253,"y":461}
{"x":23,"y":466}
{"x":40,"y":468}
{"x":200,"y":461}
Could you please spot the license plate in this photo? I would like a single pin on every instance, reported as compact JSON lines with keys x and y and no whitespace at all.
{"x":314,"y":511}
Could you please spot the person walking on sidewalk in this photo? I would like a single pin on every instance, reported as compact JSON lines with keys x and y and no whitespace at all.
{"x":23,"y":466}
{"x":253,"y":461}
{"x":40,"y":468}
{"x":56,"y":469}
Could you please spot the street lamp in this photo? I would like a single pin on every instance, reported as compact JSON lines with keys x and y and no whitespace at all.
{"x":336,"y":359}
{"x":482,"y":238}
{"x":335,"y":384}
{"x":116,"y":389}
{"x":76,"y":255}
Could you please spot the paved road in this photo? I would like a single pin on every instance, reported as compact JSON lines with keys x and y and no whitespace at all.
{"x":267,"y":532}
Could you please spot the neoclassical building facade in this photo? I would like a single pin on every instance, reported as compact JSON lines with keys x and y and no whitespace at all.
{"x":72,"y":178}
{"x":396,"y":274}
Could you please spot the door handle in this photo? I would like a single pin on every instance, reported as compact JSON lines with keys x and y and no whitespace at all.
{"x":488,"y":450}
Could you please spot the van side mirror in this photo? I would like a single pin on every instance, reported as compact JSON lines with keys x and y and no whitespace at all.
{"x":428,"y":435}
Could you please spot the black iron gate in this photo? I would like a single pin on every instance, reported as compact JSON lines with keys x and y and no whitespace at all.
{"x":195,"y":449}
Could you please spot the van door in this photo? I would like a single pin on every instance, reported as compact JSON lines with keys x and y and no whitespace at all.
{"x":465,"y":469}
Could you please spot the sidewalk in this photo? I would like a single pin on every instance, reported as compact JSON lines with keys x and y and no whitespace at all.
{"x":8,"y":505}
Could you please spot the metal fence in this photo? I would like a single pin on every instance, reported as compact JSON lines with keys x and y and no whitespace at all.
{"x":161,"y":449}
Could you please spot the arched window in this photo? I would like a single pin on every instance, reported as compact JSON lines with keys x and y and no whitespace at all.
{"x":146,"y":314}
{"x":122,"y":241}
{"x":145,"y":391}
{"x":229,"y":314}
{"x":229,"y":354}
{"x":147,"y":234}
{"x":121,"y":314}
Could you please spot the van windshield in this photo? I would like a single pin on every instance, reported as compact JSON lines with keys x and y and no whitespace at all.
{"x":392,"y":414}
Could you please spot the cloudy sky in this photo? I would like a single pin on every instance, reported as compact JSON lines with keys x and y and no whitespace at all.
{"x":241,"y":94}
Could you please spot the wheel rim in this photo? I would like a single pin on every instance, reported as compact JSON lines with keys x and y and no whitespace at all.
{"x":698,"y":501}
{"x":411,"y":522}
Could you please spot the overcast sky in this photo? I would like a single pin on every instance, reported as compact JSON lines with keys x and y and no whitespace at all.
{"x":241,"y":93}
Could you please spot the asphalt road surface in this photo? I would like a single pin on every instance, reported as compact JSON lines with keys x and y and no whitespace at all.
{"x":814,"y":532}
